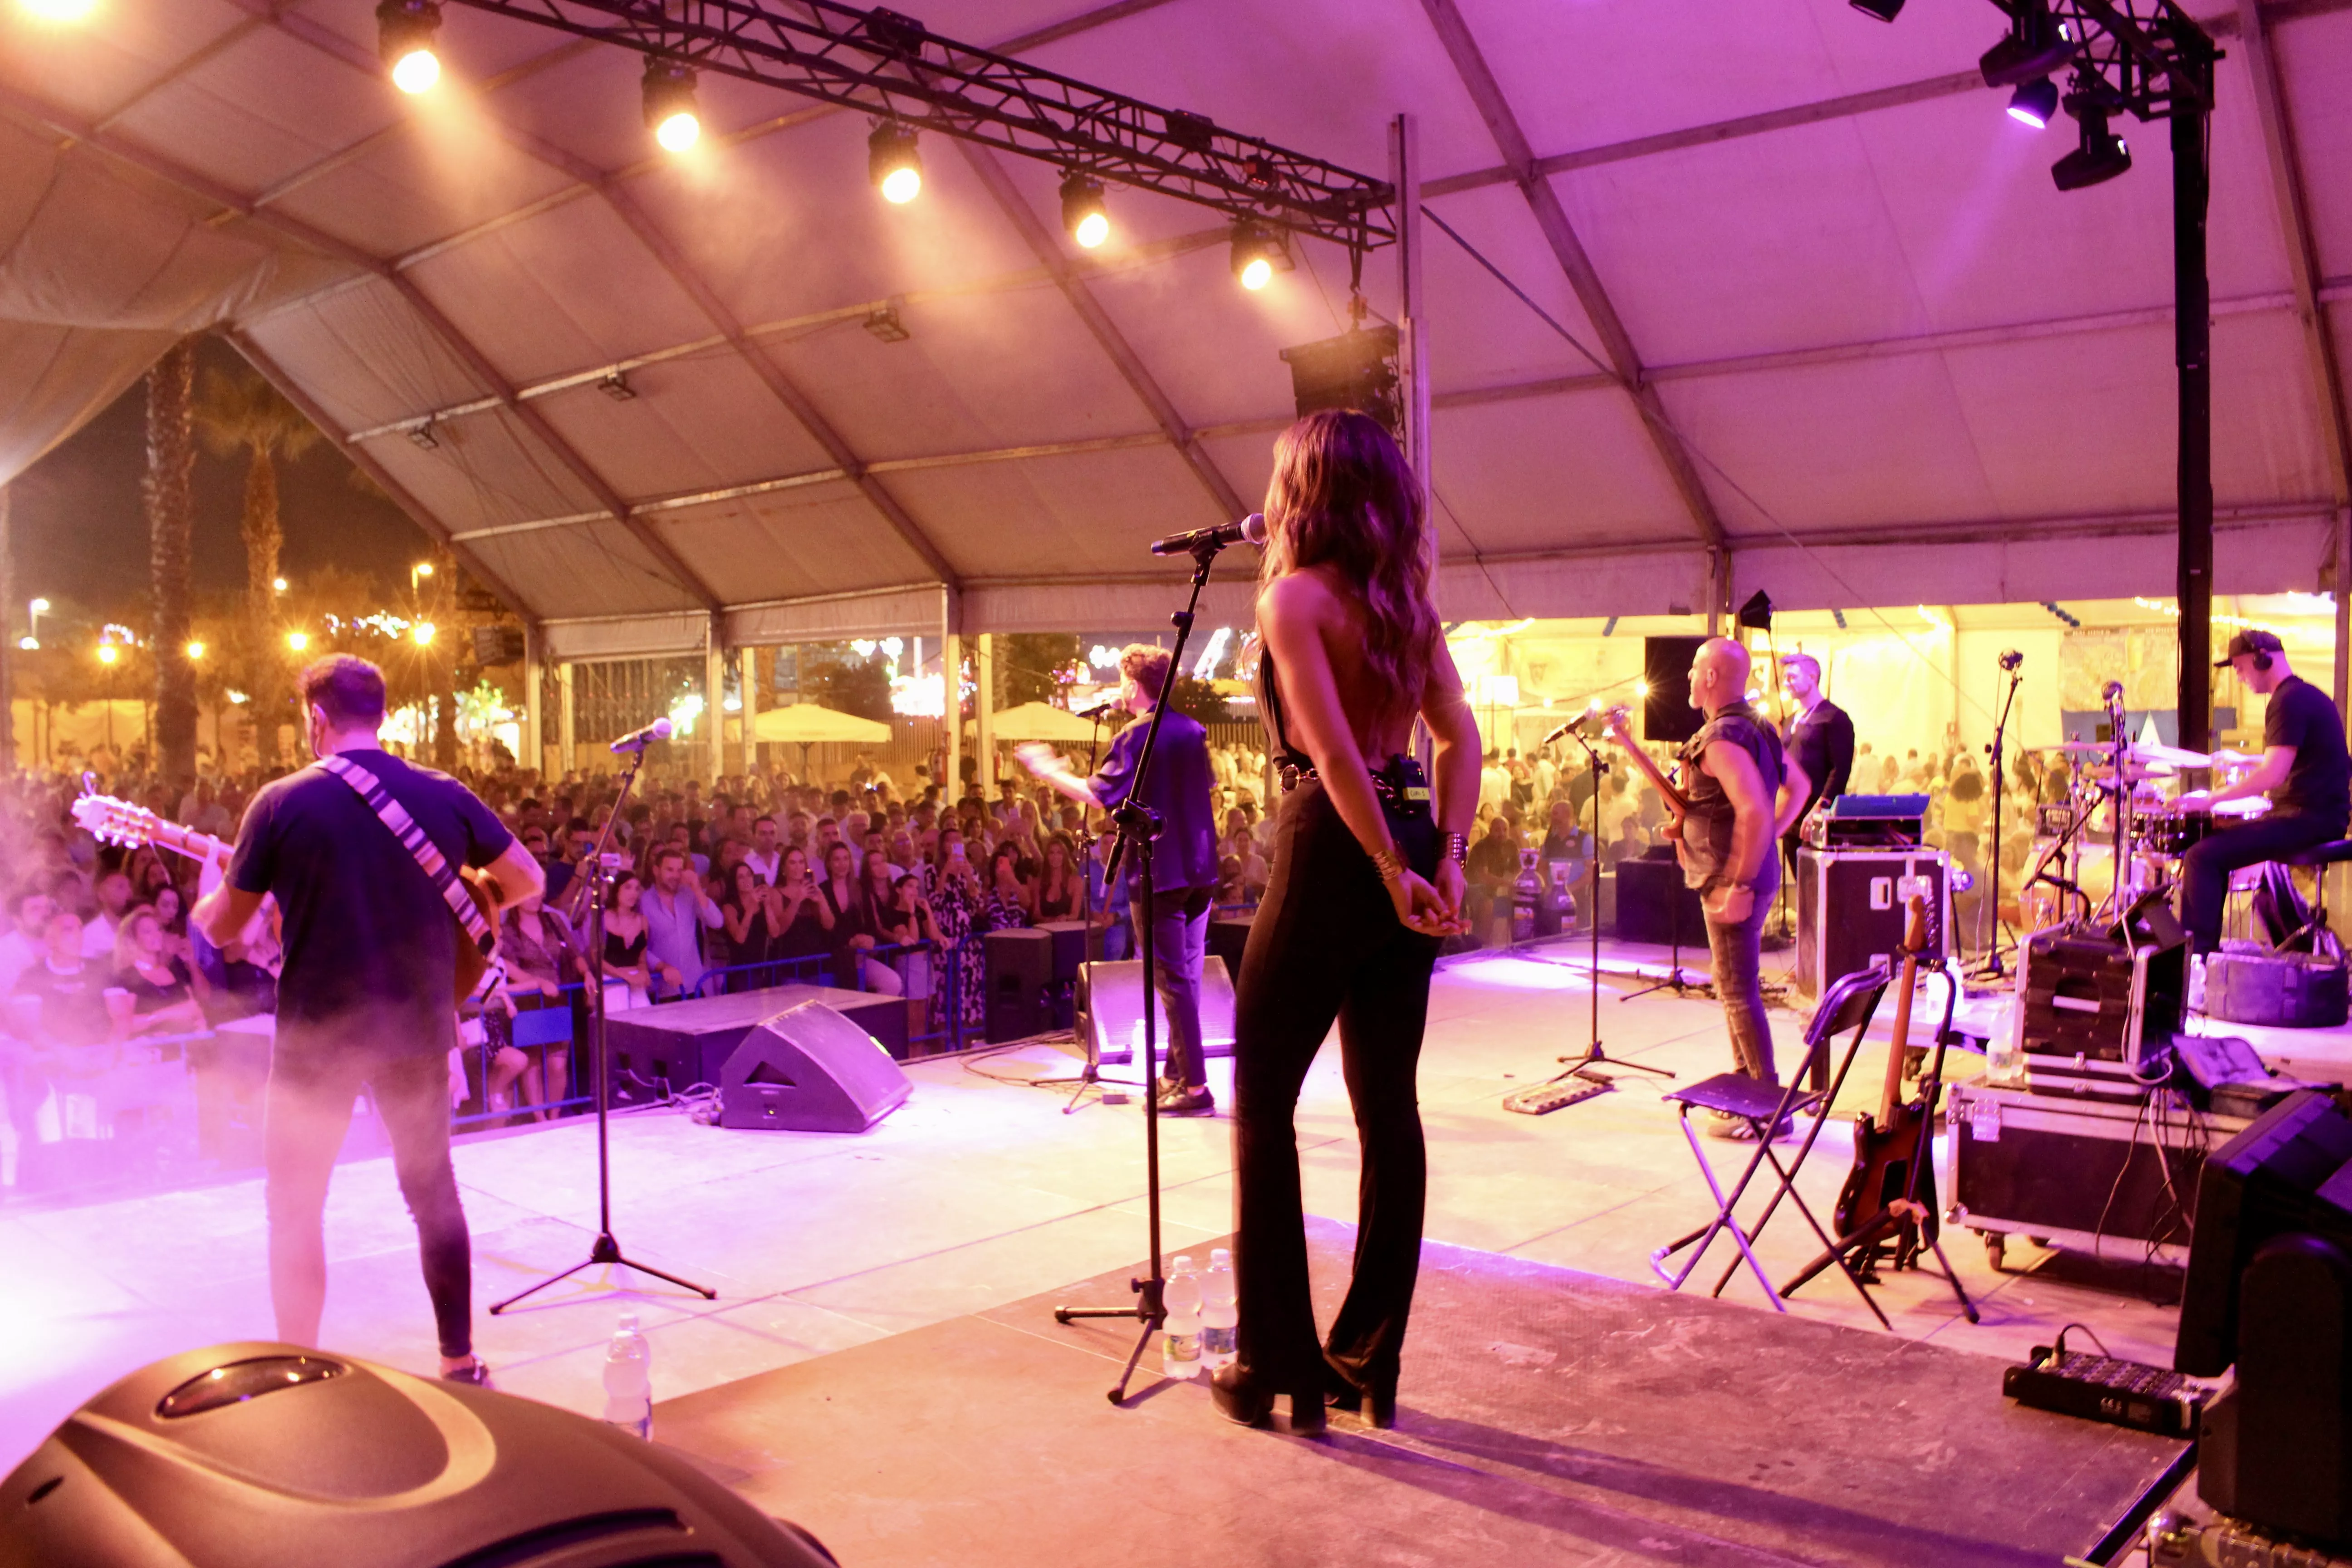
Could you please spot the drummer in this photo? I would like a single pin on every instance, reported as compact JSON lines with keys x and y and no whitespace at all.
{"x":2305,"y":771}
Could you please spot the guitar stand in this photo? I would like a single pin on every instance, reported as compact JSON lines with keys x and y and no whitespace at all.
{"x":1907,"y":1221}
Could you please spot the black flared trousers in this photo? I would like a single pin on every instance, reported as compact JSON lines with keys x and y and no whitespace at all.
{"x":1326,"y":944}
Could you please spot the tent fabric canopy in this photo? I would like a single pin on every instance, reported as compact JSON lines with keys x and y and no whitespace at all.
{"x":638,"y":393}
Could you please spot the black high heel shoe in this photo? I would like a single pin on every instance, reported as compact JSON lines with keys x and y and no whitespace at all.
{"x":1250,"y":1402}
{"x":1376,"y":1404}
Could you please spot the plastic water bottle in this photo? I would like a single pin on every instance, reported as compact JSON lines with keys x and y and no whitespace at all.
{"x":629,"y":1379}
{"x":1219,"y":1313}
{"x":1180,"y":1335}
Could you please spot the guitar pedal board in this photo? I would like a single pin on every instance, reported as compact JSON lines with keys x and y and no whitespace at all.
{"x":2105,"y":1388}
{"x":1541,"y":1100}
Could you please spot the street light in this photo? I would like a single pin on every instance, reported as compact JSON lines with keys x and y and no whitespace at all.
{"x":108,"y":652}
{"x":107,"y":655}
{"x":422,"y":569}
{"x":278,"y":585}
{"x":38,"y":608}
{"x":195,"y":650}
{"x":298,"y":641}
{"x":422,"y":632}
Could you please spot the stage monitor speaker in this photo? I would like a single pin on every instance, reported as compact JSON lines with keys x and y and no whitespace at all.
{"x":1020,"y":975}
{"x":1655,"y":904}
{"x":273,"y":1456}
{"x":1110,"y":1010}
{"x":810,"y":1070}
{"x":1667,"y":711}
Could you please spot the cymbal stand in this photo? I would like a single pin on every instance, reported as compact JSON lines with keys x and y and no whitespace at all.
{"x":1993,"y":968}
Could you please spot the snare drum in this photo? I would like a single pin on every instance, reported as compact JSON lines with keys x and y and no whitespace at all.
{"x":2173,"y":831}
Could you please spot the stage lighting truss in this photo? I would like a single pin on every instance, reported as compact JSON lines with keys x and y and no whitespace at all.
{"x":405,"y":32}
{"x":894,"y":68}
{"x":2099,"y":154}
{"x":673,"y":110}
{"x":2148,"y":58}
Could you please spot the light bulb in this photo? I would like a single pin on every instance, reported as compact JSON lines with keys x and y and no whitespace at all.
{"x":1258,"y":273}
{"x":417,"y":71}
{"x":1093,"y":229}
{"x":679,"y":132}
{"x":902,"y":185}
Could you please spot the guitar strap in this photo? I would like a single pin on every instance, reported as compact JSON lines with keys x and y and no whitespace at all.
{"x":421,"y":848}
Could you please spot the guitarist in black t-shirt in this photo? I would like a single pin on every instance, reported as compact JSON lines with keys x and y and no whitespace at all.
{"x":371,"y":959}
{"x":2304,"y":770}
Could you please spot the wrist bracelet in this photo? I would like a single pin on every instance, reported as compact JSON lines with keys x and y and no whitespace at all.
{"x":1391,"y":868}
{"x":1457,"y":849}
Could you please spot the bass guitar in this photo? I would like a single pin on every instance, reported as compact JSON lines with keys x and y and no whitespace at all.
{"x":1892,"y":1182}
{"x":112,"y":821}
{"x":1620,"y":728}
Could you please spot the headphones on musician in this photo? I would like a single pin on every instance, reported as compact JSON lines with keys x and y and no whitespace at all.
{"x":2260,"y":644}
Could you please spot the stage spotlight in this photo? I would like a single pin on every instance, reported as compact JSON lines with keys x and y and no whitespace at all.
{"x":1885,"y":10}
{"x":1082,"y":210}
{"x":1258,"y":253}
{"x":405,"y":34}
{"x":893,"y":163}
{"x":2035,"y":102}
{"x":672,"y":112}
{"x":60,"y":10}
{"x":2099,"y":156}
{"x":2036,"y":46}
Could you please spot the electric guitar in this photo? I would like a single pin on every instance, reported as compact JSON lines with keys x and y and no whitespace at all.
{"x":1888,"y":1146}
{"x":1678,"y":804}
{"x":112,"y":821}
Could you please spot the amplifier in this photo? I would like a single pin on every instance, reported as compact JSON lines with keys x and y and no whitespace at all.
{"x":1867,"y":821}
{"x":1020,"y":973}
{"x":1850,"y":910}
{"x":2082,"y":994}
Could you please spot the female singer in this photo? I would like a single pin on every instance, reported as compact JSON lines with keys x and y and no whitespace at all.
{"x":1367,"y":877}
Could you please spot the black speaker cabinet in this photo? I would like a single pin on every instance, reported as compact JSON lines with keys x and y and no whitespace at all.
{"x":273,"y":1456}
{"x":1020,"y":968}
{"x":1110,"y":1010}
{"x":1654,"y":905}
{"x":1667,"y":711}
{"x":810,"y":1070}
{"x":1076,"y":943}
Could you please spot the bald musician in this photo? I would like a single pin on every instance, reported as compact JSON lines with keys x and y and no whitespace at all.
{"x":1744,"y":793}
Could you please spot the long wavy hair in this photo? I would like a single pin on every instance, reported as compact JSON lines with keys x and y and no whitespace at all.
{"x":1341,"y":494}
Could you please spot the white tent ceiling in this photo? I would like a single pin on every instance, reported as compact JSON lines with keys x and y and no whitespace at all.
{"x":1900,"y":364}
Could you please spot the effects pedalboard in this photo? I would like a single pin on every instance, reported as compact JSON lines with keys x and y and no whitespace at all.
{"x":1541,"y":1099}
{"x":2173,"y":1541}
{"x":2103,"y":1388}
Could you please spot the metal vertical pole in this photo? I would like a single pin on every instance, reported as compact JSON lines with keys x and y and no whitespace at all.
{"x":8,"y":640}
{"x":534,"y":673}
{"x":714,"y":692}
{"x":567,"y":727}
{"x":984,"y":719}
{"x":1412,"y":324}
{"x":746,"y":681}
{"x":2343,"y":586}
{"x":2192,"y":345}
{"x":951,"y":715}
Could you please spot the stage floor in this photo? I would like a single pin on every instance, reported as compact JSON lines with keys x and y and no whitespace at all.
{"x":980,"y":1192}
{"x":1545,"y":1416}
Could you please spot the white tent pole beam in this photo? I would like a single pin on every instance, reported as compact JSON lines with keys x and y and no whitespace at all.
{"x":2302,"y":262}
{"x":1470,"y":65}
{"x":951,"y":715}
{"x":197,"y":184}
{"x":534,"y":731}
{"x":365,"y":462}
{"x":1048,"y":251}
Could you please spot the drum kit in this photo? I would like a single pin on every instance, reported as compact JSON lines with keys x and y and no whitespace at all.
{"x":2124,"y":793}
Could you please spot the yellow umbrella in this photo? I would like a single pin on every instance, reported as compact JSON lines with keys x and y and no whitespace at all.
{"x":1037,"y":721}
{"x":810,"y":725}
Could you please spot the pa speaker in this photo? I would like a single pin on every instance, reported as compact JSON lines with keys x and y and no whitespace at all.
{"x":1667,"y":711}
{"x":810,"y":1070}
{"x":1019,"y":964}
{"x":1110,"y":1010}
{"x":270,"y":1456}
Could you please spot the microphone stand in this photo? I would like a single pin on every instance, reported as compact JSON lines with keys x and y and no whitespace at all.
{"x":1593,"y":1055}
{"x":605,"y":1249}
{"x":1993,"y":969}
{"x":1090,"y":1075}
{"x":1139,"y":828}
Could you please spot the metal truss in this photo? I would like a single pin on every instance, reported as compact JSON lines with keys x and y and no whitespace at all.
{"x":2149,"y":58}
{"x":891,"y":67}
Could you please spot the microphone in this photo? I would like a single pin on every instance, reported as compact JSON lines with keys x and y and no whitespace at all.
{"x":1250,"y":530}
{"x":1573,"y":726}
{"x":1108,"y":705}
{"x":2010,"y":659}
{"x":638,"y":740}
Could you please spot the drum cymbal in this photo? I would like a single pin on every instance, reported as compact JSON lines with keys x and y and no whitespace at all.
{"x":2172,"y":756}
{"x":2252,"y":806}
{"x":2225,"y":758}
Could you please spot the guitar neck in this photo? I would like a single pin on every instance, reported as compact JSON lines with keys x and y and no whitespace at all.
{"x":187,"y":841}
{"x":1674,"y":797}
{"x":1892,"y":1096}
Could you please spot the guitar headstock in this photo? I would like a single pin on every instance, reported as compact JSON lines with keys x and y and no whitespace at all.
{"x":1914,"y":925}
{"x":112,"y":821}
{"x":1618,"y":721}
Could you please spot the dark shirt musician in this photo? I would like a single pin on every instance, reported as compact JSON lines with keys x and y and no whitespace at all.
{"x":1183,"y":861}
{"x":1819,"y":739}
{"x":365,"y":994}
{"x":2304,"y":771}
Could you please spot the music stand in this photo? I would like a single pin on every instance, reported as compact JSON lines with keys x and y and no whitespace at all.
{"x":605,"y":1249}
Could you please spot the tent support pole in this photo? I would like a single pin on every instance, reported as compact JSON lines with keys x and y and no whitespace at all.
{"x":534,"y":731}
{"x":2192,"y":341}
{"x":985,"y":720}
{"x":2343,"y":587}
{"x":714,"y":692}
{"x":567,"y":728}
{"x":1413,"y":328}
{"x":951,"y":781}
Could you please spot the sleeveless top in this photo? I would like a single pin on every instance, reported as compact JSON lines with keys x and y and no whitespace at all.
{"x":1706,"y":831}
{"x":1286,"y":757}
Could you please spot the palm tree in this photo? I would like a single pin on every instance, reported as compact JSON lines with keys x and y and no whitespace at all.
{"x":171,"y":461}
{"x":245,"y":411}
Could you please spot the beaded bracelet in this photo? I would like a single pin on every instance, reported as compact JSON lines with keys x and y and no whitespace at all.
{"x":1391,"y":870}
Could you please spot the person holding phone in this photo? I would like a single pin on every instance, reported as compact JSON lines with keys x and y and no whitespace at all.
{"x":956,"y":902}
